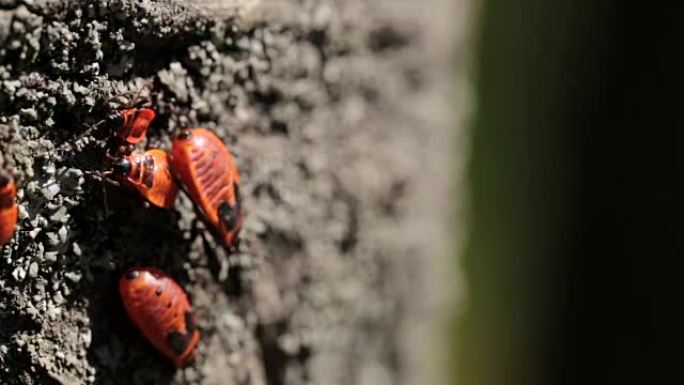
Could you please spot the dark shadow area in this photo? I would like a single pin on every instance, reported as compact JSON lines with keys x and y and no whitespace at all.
{"x":13,"y":322}
{"x":275,"y":359}
{"x":131,"y":235}
{"x":217,"y":256}
{"x":617,"y":323}
{"x":18,"y":359}
{"x":574,"y":177}
{"x":119,"y":351}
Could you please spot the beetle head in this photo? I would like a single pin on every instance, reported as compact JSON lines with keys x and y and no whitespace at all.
{"x":121,"y":166}
{"x":183,"y":134}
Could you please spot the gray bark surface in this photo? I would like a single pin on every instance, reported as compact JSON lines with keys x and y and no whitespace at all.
{"x":340,"y":114}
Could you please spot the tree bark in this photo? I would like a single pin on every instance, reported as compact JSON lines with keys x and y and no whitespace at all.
{"x":341,"y":117}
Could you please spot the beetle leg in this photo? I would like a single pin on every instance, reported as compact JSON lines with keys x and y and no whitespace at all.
{"x":238,"y":200}
{"x":139,"y":102}
{"x":110,"y":181}
{"x":194,"y":228}
{"x":104,"y":197}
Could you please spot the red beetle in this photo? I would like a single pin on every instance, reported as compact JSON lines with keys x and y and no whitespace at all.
{"x":8,"y":207}
{"x":160,"y":309}
{"x":130,"y":128}
{"x":207,"y":172}
{"x":149,"y":174}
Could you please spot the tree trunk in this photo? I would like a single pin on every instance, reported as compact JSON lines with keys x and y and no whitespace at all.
{"x":340,"y":115}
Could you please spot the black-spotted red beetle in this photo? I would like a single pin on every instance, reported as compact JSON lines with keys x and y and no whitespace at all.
{"x":130,"y":128}
{"x":207,"y":172}
{"x":161,"y":310}
{"x":149,"y":173}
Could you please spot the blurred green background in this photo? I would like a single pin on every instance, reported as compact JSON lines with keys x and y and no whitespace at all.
{"x":572,"y":167}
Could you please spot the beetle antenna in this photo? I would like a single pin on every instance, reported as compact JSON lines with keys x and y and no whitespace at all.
{"x":114,"y":96}
{"x":137,"y":101}
{"x":89,"y":130}
{"x":136,"y":98}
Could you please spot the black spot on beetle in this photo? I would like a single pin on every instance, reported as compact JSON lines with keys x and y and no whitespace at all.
{"x":178,"y":342}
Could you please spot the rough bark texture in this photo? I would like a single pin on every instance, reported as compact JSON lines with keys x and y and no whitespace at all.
{"x":339,"y":113}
